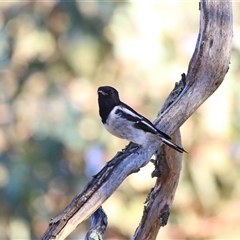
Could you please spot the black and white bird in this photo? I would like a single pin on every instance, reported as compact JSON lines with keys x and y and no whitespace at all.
{"x":122,"y":121}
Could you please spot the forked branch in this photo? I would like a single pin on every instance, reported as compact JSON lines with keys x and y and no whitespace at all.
{"x":206,"y":71}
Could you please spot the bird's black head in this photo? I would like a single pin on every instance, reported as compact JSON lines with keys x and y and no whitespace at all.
{"x":108,"y":98}
{"x":108,"y":94}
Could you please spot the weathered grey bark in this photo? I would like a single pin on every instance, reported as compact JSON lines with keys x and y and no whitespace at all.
{"x":206,"y":72}
{"x":99,"y":225}
{"x":167,"y":170}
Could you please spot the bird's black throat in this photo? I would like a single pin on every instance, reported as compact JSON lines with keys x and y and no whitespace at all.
{"x":106,"y":105}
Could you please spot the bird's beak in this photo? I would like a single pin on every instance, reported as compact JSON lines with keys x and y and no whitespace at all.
{"x":102,"y":92}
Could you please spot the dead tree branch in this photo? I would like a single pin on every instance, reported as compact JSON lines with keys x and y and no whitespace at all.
{"x":99,"y":225}
{"x":206,"y":72}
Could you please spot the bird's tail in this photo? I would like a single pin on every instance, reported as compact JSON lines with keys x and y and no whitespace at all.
{"x":173,"y":145}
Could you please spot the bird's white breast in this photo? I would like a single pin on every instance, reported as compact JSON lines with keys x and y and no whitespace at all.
{"x":123,"y":128}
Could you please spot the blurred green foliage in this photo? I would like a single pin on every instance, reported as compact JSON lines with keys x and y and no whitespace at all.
{"x":53,"y":57}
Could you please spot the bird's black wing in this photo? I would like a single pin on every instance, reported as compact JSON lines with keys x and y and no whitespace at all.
{"x":140,"y":122}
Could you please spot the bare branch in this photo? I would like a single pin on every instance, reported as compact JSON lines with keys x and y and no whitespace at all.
{"x":206,"y":72}
{"x":99,"y":225}
{"x":157,"y":210}
{"x":167,"y":170}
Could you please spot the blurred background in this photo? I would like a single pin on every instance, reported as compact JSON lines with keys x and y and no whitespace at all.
{"x":53,"y":57}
